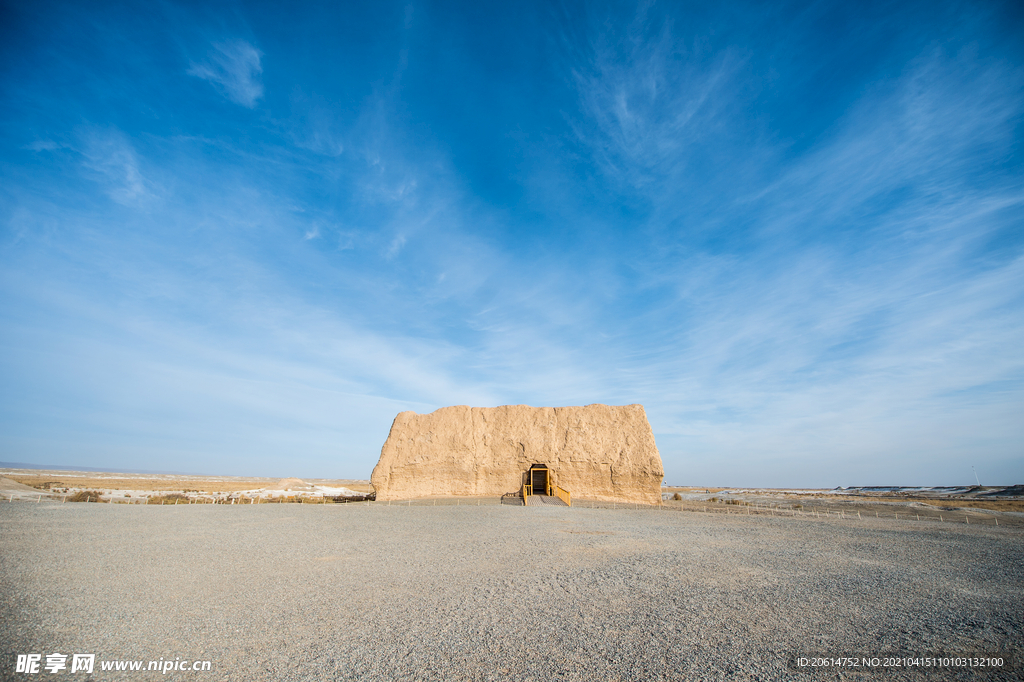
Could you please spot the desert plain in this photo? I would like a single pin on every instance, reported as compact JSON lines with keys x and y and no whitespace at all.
{"x":740,"y":588}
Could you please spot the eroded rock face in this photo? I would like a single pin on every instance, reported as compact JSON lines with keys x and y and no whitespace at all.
{"x":601,"y":452}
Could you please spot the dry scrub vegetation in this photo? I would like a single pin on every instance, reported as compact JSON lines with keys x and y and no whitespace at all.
{"x":169,"y":483}
{"x":85,"y":496}
{"x":992,"y":505}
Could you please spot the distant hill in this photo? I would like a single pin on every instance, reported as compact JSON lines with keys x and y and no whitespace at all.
{"x":75,"y":467}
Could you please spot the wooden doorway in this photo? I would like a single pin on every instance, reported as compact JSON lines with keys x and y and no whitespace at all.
{"x":539,"y":479}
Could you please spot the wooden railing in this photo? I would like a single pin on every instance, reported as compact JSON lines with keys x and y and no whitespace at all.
{"x":564,"y":495}
{"x":527,"y":491}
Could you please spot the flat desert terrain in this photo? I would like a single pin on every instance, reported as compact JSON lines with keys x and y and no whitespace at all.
{"x":127,"y":488}
{"x":434,"y":591}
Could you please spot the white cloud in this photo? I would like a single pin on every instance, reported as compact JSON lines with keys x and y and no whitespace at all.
{"x":43,"y":146}
{"x":111,"y":160}
{"x":649,"y":101}
{"x":870,"y":330}
{"x":234,"y":68}
{"x":395,"y":246}
{"x":315,"y":125}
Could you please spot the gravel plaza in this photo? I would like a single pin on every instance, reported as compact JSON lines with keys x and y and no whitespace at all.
{"x":378,"y":592}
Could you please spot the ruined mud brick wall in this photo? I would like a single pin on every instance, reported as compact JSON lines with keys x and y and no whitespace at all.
{"x":601,"y":452}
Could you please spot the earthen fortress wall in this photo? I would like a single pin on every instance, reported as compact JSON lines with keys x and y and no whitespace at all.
{"x":599,"y":452}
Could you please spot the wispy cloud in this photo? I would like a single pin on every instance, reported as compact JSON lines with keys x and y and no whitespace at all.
{"x":650,"y":98}
{"x":110,"y":158}
{"x":233,"y":67}
{"x":43,"y":146}
{"x":315,"y":126}
{"x":869,"y":318}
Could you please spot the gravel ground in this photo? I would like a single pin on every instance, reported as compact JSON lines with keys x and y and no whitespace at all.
{"x":372,"y":592}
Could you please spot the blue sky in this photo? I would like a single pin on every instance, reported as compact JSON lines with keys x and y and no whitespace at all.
{"x":238,"y":238}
